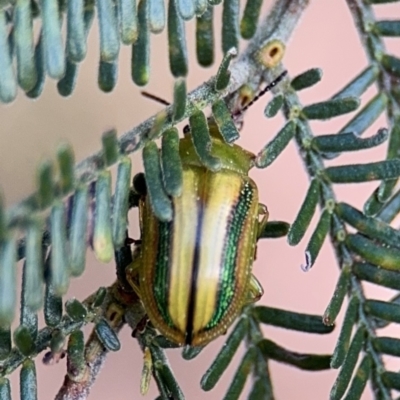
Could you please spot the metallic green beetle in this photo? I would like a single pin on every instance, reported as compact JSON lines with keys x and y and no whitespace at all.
{"x":193,"y":274}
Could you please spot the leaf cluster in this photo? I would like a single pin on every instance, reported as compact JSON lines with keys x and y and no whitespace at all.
{"x":54,"y":221}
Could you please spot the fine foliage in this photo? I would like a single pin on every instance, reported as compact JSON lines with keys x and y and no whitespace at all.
{"x":75,"y":207}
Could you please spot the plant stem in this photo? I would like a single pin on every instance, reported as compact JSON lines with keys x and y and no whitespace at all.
{"x":114,"y":309}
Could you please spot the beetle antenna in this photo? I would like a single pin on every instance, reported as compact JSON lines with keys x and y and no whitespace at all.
{"x":261,"y":93}
{"x":155,"y":98}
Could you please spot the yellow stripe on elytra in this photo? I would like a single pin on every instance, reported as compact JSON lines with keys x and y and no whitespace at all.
{"x":184,"y":238}
{"x":222,"y":191}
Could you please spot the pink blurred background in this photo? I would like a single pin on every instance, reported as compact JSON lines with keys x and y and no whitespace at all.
{"x":29,"y":130}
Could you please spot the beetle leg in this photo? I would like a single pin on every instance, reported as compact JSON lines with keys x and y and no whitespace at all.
{"x":255,"y":291}
{"x":263,"y":211}
{"x":132,"y":274}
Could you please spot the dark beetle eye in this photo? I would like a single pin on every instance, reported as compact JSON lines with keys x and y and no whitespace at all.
{"x":139,"y":184}
{"x":186,"y":129}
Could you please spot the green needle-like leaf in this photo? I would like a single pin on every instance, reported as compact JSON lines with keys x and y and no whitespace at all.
{"x":140,"y":69}
{"x":230,"y":25}
{"x":275,"y":147}
{"x":202,"y":141}
{"x":77,"y":232}
{"x":53,"y":43}
{"x":186,"y":8}
{"x":33,"y":269}
{"x":67,"y":83}
{"x":8,"y":82}
{"x":39,"y":66}
{"x":159,"y":200}
{"x":240,"y":377}
{"x":5,"y":389}
{"x":76,"y":365}
{"x":224,"y":121}
{"x":224,"y":74}
{"x":110,"y":147}
{"x":348,"y":366}
{"x":384,"y":257}
{"x":391,"y":379}
{"x":205,"y":38}
{"x":224,"y":357}
{"x":108,"y":74}
{"x":377,"y":275}
{"x":179,"y":99}
{"x":5,"y":344}
{"x":28,"y":317}
{"x":59,"y":255}
{"x":102,"y":235}
{"x":342,"y":344}
{"x":383,"y":310}
{"x":357,"y":173}
{"x":251,"y":14}
{"x":387,"y":345}
{"x":171,"y":163}
{"x":387,"y":28}
{"x":8,"y":282}
{"x":23,"y":36}
{"x":52,"y":306}
{"x":367,"y":115}
{"x":308,"y":362}
{"x":24,"y":341}
{"x":121,"y":202}
{"x":306,"y":79}
{"x":274,"y":229}
{"x":347,"y":142}
{"x":307,"y":210}
{"x":359,"y":84}
{"x":201,"y":7}
{"x":157,"y":15}
{"x":108,"y":27}
{"x":291,"y":320}
{"x":99,"y":297}
{"x":168,"y":377}
{"x":28,"y":383}
{"x":360,"y":379}
{"x":177,"y":41}
{"x":191,"y":352}
{"x":45,"y":191}
{"x":331,"y":108}
{"x":128,"y":24}
{"x":390,"y":209}
{"x":66,"y":162}
{"x":386,"y":188}
{"x":371,"y":227}
{"x":57,"y":342}
{"x":317,"y":240}
{"x":274,"y":106}
{"x":391,"y":65}
{"x":76,"y":32}
{"x":373,"y":205}
{"x":75,"y":310}
{"x":336,"y":302}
